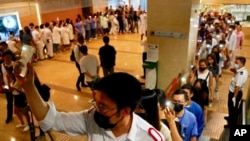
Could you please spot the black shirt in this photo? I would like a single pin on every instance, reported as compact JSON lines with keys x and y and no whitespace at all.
{"x":107,"y":56}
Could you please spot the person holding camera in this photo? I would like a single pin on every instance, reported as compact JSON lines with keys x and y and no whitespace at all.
{"x":187,"y":119}
{"x":110,"y":118}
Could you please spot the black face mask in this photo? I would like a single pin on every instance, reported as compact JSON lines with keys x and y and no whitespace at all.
{"x":202,"y":69}
{"x":197,"y":90}
{"x":178,"y":107}
{"x":103,"y":121}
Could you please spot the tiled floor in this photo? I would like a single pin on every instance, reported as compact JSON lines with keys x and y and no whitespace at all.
{"x":60,"y":74}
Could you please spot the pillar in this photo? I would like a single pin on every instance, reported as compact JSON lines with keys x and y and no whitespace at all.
{"x":173,"y":25}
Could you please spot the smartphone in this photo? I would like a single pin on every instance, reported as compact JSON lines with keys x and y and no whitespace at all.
{"x":6,"y":87}
{"x":26,"y":55}
{"x":169,"y":105}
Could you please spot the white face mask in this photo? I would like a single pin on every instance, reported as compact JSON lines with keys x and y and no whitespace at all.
{"x":236,"y":66}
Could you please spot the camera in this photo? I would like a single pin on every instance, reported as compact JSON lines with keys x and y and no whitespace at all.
{"x":221,"y":45}
{"x":26,"y":55}
{"x":6,"y":87}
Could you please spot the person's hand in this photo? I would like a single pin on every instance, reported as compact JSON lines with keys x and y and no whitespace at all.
{"x":169,"y":115}
{"x":234,"y":101}
{"x":28,"y":79}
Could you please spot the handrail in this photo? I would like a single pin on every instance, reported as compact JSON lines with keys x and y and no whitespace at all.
{"x":173,"y":85}
{"x":242,"y":113}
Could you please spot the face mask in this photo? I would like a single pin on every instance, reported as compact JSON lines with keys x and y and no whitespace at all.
{"x":197,"y":90}
{"x":178,"y":107}
{"x":202,"y":69}
{"x":103,"y":121}
{"x":236,"y":66}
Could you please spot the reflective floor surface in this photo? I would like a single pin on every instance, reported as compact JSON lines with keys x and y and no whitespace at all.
{"x":61,"y":74}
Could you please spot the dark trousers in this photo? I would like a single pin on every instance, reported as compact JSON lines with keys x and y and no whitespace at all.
{"x":107,"y":70}
{"x":88,"y":34}
{"x":144,"y":57}
{"x":233,"y":110}
{"x":81,"y":77}
{"x":9,"y":98}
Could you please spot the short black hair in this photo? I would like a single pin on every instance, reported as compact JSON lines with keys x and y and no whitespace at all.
{"x":3,"y":43}
{"x":7,"y":52}
{"x":46,"y":24}
{"x":106,"y":39}
{"x":31,"y":24}
{"x":242,"y":59}
{"x":80,"y":38}
{"x":83,"y":49}
{"x":179,"y":92}
{"x":189,"y":87}
{"x":122,"y":88}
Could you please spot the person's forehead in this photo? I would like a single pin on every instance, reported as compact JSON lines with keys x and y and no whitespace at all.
{"x":178,"y":97}
{"x":101,"y":97}
{"x":202,"y":64}
{"x":186,"y":90}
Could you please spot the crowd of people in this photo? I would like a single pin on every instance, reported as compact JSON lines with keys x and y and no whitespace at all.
{"x":128,"y":115}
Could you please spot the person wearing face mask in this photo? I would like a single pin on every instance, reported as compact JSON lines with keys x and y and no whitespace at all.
{"x":194,"y":108}
{"x":203,"y":73}
{"x":111,"y":117}
{"x":187,"y":119}
{"x":235,"y":90}
{"x":213,"y":67}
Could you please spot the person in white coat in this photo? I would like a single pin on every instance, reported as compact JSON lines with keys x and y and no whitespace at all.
{"x":65,"y":37}
{"x":47,"y":38}
{"x":232,"y":40}
{"x":56,"y":37}
{"x":36,"y":34}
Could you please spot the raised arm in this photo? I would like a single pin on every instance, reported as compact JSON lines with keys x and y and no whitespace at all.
{"x":37,"y":105}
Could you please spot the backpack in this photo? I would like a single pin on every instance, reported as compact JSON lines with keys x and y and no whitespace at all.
{"x":72,"y":56}
{"x":203,"y":81}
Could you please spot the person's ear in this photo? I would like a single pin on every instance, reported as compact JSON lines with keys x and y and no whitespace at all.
{"x":191,"y":95}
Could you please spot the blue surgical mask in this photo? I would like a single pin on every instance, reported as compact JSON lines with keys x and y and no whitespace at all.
{"x":236,"y":66}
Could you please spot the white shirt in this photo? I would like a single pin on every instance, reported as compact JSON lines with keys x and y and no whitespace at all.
{"x":239,"y":79}
{"x":47,"y":34}
{"x":56,"y":35}
{"x":89,"y":63}
{"x":12,"y":46}
{"x":65,"y":36}
{"x":71,"y":35}
{"x":143,"y":19}
{"x":77,"y":53}
{"x":165,"y":132}
{"x":83,"y":123}
{"x":4,"y":71}
{"x":204,"y":76}
{"x":36,"y":35}
{"x":232,"y":40}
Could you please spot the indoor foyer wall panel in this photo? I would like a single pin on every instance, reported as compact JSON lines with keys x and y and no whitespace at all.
{"x":62,"y":15}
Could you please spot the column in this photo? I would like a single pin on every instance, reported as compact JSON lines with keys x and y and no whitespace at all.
{"x":173,"y":25}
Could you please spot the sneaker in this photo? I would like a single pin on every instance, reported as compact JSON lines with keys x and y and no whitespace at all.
{"x":8,"y":120}
{"x":78,"y":88}
{"x":20,"y":125}
{"x":26,"y":128}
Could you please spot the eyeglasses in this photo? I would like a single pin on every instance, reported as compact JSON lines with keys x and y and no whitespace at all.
{"x":178,"y":102}
{"x":101,"y":107}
